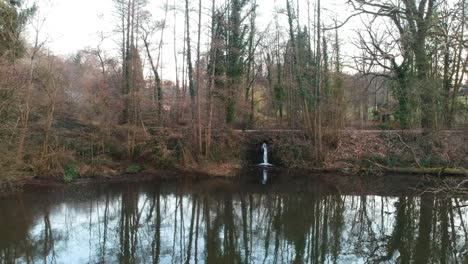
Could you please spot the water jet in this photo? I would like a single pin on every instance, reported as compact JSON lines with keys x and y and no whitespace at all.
{"x":265,"y":155}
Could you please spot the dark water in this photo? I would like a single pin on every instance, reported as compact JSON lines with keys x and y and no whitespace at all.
{"x":242,"y":221}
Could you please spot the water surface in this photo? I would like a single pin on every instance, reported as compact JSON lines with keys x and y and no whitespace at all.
{"x":238,"y":221}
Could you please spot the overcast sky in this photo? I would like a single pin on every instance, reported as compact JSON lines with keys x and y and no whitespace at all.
{"x":72,"y":25}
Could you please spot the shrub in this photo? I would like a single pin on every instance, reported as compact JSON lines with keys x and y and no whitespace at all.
{"x":70,"y":173}
{"x":133,"y":169}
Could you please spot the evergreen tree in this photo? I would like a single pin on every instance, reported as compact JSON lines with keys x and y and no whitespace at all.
{"x":12,"y":22}
{"x":236,"y":52}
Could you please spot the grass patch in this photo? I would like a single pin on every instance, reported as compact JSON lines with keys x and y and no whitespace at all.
{"x":133,"y":169}
{"x":70,"y":173}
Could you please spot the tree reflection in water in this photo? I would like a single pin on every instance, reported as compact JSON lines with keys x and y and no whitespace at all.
{"x":164,"y":224}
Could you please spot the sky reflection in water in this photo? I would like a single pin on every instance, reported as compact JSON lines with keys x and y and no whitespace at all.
{"x":219,"y":222}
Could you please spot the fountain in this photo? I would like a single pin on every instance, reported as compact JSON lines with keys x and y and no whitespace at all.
{"x":265,"y":164}
{"x":265,"y":155}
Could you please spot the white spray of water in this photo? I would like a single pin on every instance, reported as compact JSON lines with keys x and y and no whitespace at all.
{"x":265,"y":155}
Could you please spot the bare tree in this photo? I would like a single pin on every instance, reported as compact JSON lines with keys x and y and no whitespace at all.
{"x":199,"y":125}
{"x":25,"y":111}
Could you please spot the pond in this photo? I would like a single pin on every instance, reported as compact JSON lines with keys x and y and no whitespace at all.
{"x":242,"y":220}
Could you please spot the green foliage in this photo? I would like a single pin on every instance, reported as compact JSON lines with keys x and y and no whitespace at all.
{"x":12,"y":22}
{"x":82,"y":147}
{"x":164,"y":159}
{"x":217,"y":54}
{"x":375,"y":113}
{"x":230,"y":111}
{"x":133,"y":169}
{"x":461,"y":109}
{"x":400,"y":91}
{"x":116,"y":151}
{"x":70,"y":173}
{"x":235,"y":50}
{"x":177,"y":149}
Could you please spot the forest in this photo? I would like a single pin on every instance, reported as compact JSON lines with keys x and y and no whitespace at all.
{"x":195,"y":85}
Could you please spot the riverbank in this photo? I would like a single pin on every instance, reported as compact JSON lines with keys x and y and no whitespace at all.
{"x":336,"y":179}
{"x":167,"y":154}
{"x":173,"y":174}
{"x":254,"y":179}
{"x":409,"y":152}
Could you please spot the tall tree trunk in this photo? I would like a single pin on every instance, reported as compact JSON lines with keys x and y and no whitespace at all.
{"x":250,"y":65}
{"x":422,"y":16}
{"x":189,"y":62}
{"x":177,"y":105}
{"x":318,"y":86}
{"x":160,"y":48}
{"x":27,"y":110}
{"x":199,"y":125}
{"x":24,"y":118}
{"x":52,"y":96}
{"x":157,"y":80}
{"x":458,"y":68}
{"x":297,"y":70}
{"x":127,"y":64}
{"x":211,"y":83}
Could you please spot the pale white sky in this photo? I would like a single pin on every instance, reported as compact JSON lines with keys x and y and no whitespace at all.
{"x":72,"y":25}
